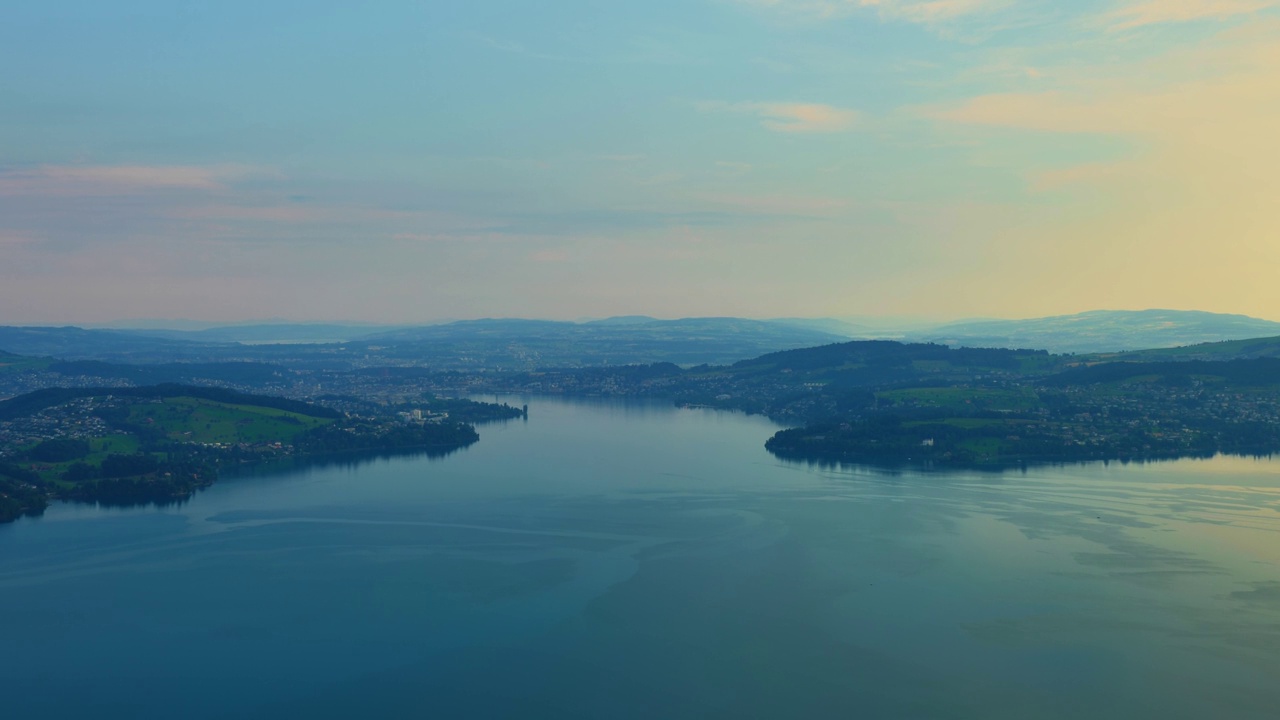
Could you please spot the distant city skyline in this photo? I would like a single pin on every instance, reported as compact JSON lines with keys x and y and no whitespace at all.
{"x":413,"y":162}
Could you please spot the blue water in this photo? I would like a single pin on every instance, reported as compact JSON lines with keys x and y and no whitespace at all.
{"x":625,"y":560}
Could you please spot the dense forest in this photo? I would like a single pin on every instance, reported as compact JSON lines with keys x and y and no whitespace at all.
{"x":360,"y":435}
{"x":21,"y":492}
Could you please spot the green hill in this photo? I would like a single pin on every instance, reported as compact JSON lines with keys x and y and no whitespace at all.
{"x":1267,"y":347}
{"x":33,"y":402}
{"x":192,"y":419}
{"x":154,"y":422}
{"x":10,"y":362}
{"x":1242,"y":373}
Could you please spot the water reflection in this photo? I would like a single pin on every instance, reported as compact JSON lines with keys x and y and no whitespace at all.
{"x":607,"y":560}
{"x":128,"y":503}
{"x":345,"y":460}
{"x":1209,"y":462}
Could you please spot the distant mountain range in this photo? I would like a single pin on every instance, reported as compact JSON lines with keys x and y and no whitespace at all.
{"x":73,"y":343}
{"x":834,"y":326}
{"x":1101,"y":331}
{"x":470,"y":344}
{"x":514,"y":344}
{"x":526,"y":344}
{"x":266,"y":333}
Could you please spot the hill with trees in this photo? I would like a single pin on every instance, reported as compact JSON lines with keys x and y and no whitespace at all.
{"x":163,"y":443}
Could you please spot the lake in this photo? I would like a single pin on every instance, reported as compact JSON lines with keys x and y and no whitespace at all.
{"x":635,"y":560}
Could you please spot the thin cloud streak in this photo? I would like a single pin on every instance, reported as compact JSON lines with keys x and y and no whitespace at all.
{"x":108,"y":180}
{"x":927,"y":12}
{"x":16,"y":239}
{"x":791,"y":117}
{"x":1158,"y":12}
{"x":779,"y":204}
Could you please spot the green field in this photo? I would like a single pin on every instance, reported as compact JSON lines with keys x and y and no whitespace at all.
{"x":17,"y":363}
{"x":206,"y":421}
{"x":982,"y":449}
{"x":187,"y":419}
{"x":99,"y":449}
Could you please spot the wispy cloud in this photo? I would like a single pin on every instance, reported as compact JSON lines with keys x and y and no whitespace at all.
{"x":503,"y":45}
{"x":733,"y":168}
{"x":419,"y":237}
{"x":268,"y":213}
{"x":778,"y":204}
{"x":550,"y":255}
{"x":1183,"y":183}
{"x":15,"y":239}
{"x":1218,"y":92}
{"x":792,"y":117}
{"x":1085,"y":174}
{"x":1047,"y":111}
{"x":1156,"y":12}
{"x":927,"y":12}
{"x":106,"y":180}
{"x":935,"y":11}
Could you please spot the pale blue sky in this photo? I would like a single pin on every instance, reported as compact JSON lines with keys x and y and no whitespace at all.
{"x":409,"y":161}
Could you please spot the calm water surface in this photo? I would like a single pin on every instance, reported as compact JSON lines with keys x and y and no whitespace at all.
{"x":622,"y":560}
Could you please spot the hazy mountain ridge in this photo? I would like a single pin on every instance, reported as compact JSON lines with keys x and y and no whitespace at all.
{"x":514,"y":343}
{"x":467,"y":344}
{"x":517,"y":343}
{"x":831,"y":325}
{"x":608,"y":327}
{"x":1248,"y":349}
{"x":71,"y":342}
{"x":1102,"y":331}
{"x":312,"y":333}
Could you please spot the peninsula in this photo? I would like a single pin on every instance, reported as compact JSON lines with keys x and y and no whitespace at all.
{"x":162,"y":443}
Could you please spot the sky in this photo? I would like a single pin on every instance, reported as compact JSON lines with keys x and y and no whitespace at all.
{"x":416,"y":161}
